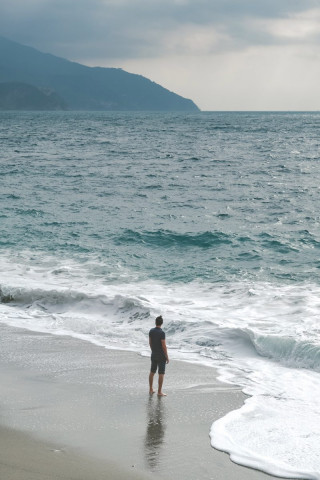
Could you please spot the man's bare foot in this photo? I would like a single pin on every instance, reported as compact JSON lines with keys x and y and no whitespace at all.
{"x":162,"y":394}
{"x":151,"y":392}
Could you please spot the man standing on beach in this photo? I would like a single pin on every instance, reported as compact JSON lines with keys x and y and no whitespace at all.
{"x":159,"y":355}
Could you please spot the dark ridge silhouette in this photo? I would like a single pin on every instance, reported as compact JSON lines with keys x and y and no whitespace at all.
{"x":21,"y":96}
{"x":85,"y":88}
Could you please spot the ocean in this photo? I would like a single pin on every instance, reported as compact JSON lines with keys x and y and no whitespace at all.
{"x":210,"y":219}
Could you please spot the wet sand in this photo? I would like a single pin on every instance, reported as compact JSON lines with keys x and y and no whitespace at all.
{"x":24,"y":458}
{"x":73,"y":410}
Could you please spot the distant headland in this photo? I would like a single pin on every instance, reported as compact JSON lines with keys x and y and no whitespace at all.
{"x":32,"y":80}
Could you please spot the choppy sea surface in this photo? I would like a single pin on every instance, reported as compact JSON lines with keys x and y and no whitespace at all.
{"x":211,"y":219}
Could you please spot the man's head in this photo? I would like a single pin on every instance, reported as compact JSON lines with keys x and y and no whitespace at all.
{"x":159,"y":321}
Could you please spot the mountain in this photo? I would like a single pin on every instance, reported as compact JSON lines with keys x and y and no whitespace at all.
{"x":21,"y":96}
{"x":85,"y":88}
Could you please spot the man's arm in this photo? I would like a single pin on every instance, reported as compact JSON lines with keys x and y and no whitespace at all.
{"x":165,"y":351}
{"x":150,"y":342}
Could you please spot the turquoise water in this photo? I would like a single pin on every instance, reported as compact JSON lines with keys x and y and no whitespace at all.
{"x":108,"y":219}
{"x":175,"y":197}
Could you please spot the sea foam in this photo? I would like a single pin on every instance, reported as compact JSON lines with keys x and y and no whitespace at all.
{"x":235,"y":328}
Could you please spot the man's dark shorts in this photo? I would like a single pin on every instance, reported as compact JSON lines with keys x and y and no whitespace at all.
{"x":159,"y":364}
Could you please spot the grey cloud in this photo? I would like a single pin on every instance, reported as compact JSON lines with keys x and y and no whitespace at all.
{"x":136,"y":28}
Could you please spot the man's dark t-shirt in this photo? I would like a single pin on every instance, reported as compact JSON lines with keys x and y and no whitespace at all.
{"x":156,"y":334}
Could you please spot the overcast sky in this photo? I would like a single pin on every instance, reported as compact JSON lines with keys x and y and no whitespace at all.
{"x":223,"y":54}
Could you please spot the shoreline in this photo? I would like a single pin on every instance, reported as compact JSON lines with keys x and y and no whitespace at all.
{"x":81,"y":404}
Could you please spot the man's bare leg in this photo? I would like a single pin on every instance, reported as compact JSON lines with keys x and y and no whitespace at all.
{"x":151,"y":382}
{"x":160,"y":394}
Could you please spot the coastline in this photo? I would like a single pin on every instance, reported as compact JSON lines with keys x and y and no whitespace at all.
{"x":70,"y":409}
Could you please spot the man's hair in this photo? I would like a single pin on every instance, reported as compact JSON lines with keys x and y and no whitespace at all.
{"x":159,"y":321}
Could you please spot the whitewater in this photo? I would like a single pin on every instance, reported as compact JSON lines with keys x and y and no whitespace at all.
{"x":211,"y":220}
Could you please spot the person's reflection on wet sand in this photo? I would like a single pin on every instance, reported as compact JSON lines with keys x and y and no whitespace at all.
{"x":155,"y":430}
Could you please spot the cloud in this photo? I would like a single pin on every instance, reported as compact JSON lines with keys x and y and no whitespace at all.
{"x":299,"y":27}
{"x":112,"y":29}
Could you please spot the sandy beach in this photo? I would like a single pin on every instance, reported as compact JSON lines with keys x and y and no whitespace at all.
{"x":74,"y":410}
